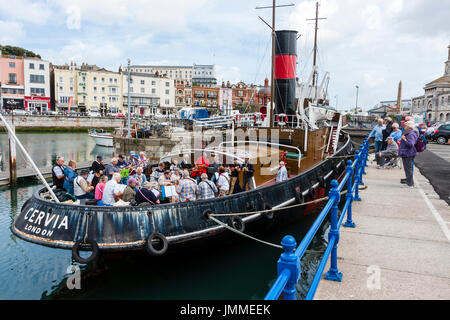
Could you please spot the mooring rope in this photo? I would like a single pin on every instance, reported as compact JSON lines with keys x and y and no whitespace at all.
{"x":244,"y":234}
{"x":270,"y":210}
{"x":256,"y":239}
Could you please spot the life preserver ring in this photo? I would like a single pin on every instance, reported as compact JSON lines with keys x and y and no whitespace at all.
{"x":149,"y":246}
{"x":282,"y":119}
{"x":237,"y":223}
{"x":76,"y":251}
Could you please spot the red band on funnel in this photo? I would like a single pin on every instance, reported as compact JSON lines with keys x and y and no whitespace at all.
{"x":285,"y":66}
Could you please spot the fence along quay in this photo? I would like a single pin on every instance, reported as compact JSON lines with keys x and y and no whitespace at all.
{"x":289,"y":265}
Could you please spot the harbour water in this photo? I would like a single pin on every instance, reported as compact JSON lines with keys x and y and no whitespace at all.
{"x":242,"y":269}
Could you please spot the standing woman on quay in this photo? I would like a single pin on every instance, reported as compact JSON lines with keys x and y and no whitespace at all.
{"x":408,"y":151}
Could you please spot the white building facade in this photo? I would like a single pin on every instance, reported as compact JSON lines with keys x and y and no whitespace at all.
{"x":37,"y":84}
{"x":172,"y":72}
{"x":204,"y":76}
{"x":149,"y":94}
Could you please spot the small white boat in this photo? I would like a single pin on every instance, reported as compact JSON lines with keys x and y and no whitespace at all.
{"x":103,"y":139}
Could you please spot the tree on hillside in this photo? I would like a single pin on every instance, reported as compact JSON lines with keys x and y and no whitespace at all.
{"x":17,"y":51}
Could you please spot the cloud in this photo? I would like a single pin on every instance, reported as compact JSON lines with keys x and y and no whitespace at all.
{"x":33,"y":12}
{"x":11,"y":33}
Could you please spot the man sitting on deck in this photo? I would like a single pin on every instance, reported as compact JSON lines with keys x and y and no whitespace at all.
{"x":81,"y":188}
{"x":145,"y":195}
{"x":58,"y":173}
{"x":388,"y":154}
{"x":113,"y":190}
{"x":112,"y":168}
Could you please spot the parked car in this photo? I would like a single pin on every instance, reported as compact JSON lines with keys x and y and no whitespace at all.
{"x":442,"y":134}
{"x":120,"y":115}
{"x":21,"y":112}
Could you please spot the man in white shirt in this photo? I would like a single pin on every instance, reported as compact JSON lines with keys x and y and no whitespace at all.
{"x":113,"y":190}
{"x":223,"y":183}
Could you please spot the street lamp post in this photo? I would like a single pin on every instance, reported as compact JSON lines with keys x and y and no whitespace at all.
{"x":356,"y":109}
{"x":129,"y":101}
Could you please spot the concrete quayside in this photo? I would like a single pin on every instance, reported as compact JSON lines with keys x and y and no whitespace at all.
{"x":400,"y":247}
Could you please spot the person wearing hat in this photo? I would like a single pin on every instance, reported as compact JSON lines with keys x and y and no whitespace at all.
{"x":129,"y":193}
{"x":98,"y":168}
{"x":81,"y":189}
{"x":391,"y":152}
{"x":133,"y":161}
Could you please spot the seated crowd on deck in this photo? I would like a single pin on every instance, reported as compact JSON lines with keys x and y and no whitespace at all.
{"x":123,"y":182}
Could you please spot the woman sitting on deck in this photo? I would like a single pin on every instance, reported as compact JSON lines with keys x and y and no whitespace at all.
{"x":69,"y":176}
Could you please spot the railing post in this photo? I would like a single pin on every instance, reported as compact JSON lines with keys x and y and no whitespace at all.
{"x":357,"y":169}
{"x":361,"y":166}
{"x":349,"y":223}
{"x":365,"y":154}
{"x":288,"y":260}
{"x":333,"y":274}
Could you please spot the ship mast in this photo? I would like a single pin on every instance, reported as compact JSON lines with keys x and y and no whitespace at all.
{"x":316,"y":19}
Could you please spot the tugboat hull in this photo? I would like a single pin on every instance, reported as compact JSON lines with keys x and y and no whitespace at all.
{"x":128,"y":228}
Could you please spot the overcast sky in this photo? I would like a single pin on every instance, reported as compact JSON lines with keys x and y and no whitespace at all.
{"x":370,"y":43}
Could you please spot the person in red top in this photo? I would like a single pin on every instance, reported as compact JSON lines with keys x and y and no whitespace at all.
{"x":201,"y":167}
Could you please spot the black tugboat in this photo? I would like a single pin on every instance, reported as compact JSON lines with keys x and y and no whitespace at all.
{"x":315,"y":152}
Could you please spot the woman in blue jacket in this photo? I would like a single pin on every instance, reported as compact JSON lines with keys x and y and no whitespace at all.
{"x":69,"y":176}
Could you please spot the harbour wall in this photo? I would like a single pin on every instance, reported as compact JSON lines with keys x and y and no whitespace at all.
{"x":63,"y":122}
{"x":154,"y":148}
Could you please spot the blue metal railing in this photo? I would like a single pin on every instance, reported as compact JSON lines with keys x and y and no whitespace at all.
{"x":289,"y":266}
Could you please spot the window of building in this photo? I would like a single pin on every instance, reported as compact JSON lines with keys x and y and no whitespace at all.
{"x":95,"y":79}
{"x":153,"y":91}
{"x":103,"y":80}
{"x":115,"y":80}
{"x":37,"y":78}
{"x":103,"y":89}
{"x":12,"y":78}
{"x":84,"y":79}
{"x":38,"y":91}
{"x":142,"y":82}
{"x":142,"y":90}
{"x":95,"y":89}
{"x":167,"y":101}
{"x":32,"y":66}
{"x":61,"y":79}
{"x":71,"y":80}
{"x":12,"y":64}
{"x":167,"y":91}
{"x":41,"y":67}
{"x":131,"y":89}
{"x":71,"y":89}
{"x":95,"y":98}
{"x":61,"y":89}
{"x":153,"y":83}
{"x":167,"y":84}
